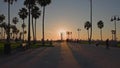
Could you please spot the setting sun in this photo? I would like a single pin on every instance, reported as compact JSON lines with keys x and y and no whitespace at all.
{"x":63,"y":32}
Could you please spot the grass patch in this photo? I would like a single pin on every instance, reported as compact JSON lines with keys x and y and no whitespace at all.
{"x":118,"y":45}
{"x":1,"y":48}
{"x":14,"y":45}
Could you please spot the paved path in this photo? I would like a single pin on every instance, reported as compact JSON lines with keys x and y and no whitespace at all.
{"x":64,"y":55}
{"x":67,"y":58}
{"x":90,"y":56}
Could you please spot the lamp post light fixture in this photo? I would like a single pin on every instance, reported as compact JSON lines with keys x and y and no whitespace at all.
{"x":115,"y":19}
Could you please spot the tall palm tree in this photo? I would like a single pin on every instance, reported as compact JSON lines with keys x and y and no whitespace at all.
{"x":78,"y":33}
{"x":43,"y":3}
{"x":14,"y":30}
{"x":15,"y":20}
{"x":7,"y":45}
{"x":29,"y":4}
{"x":36,"y":13}
{"x":100,"y":26}
{"x":23,"y":14}
{"x":10,"y":2}
{"x":91,"y":13}
{"x":87,"y":26}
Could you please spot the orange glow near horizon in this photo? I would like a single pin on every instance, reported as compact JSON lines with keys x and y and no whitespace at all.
{"x":63,"y":31}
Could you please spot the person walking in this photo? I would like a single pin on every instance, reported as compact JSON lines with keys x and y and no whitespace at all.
{"x":107,"y":44}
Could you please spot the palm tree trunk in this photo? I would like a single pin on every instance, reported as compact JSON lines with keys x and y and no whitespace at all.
{"x":101,"y":33}
{"x":88,"y":34}
{"x":78,"y":35}
{"x":90,"y":20}
{"x":43,"y":42}
{"x":29,"y":27}
{"x":8,"y":35}
{"x":33,"y":29}
{"x":23,"y":31}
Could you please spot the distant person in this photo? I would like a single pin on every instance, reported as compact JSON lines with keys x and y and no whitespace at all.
{"x":107,"y":44}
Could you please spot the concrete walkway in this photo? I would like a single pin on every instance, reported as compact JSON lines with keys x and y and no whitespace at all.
{"x":64,"y":55}
{"x":67,"y":58}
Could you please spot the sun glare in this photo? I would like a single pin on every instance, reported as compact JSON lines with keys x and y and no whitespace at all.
{"x":63,"y":32}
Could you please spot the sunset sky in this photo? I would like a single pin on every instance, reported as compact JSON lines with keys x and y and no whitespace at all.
{"x":69,"y":15}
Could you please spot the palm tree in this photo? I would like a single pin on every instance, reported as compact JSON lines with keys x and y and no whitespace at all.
{"x":10,"y":2}
{"x":35,"y":13}
{"x":14,"y":29}
{"x":43,"y":3}
{"x":68,"y":35}
{"x":7,"y":45}
{"x":91,"y":13}
{"x":87,"y":26}
{"x":100,"y":26}
{"x":23,"y":26}
{"x":78,"y":33}
{"x":23,"y":14}
{"x":4,"y":26}
{"x":15,"y":20}
{"x":29,"y":4}
{"x":2,"y":18}
{"x":25,"y":32}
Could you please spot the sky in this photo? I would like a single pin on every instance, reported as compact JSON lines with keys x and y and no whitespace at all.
{"x":69,"y":15}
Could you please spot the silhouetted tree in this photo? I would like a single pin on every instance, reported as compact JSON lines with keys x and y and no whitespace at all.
{"x":29,"y":4}
{"x":91,"y":13}
{"x":10,"y":2}
{"x":35,"y":13}
{"x":3,"y":27}
{"x":87,"y":26}
{"x":7,"y":48}
{"x":23,"y":26}
{"x":23,"y":14}
{"x":78,"y":33}
{"x":43,"y":3}
{"x":14,"y":29}
{"x":2,"y":18}
{"x":15,"y":20}
{"x":25,"y":32}
{"x":68,"y":35}
{"x":100,"y":26}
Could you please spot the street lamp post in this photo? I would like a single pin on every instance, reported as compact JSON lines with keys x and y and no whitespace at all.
{"x":115,"y":19}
